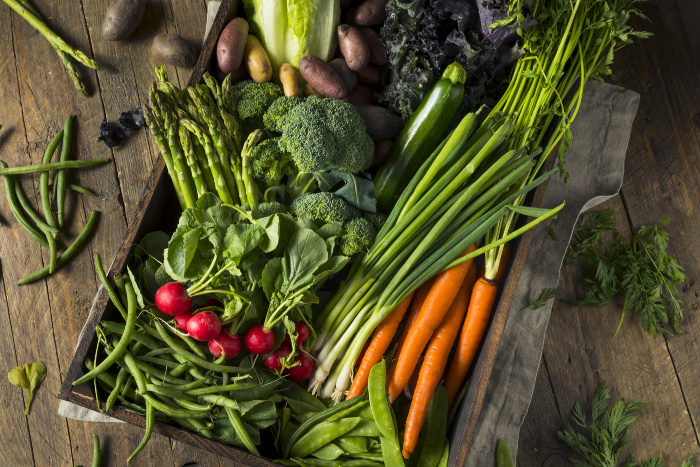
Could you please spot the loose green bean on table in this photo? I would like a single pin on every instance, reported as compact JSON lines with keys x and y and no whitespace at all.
{"x":30,"y":169}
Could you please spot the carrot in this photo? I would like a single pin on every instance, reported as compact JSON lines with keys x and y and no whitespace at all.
{"x":502,"y":266}
{"x":434,"y":362}
{"x":442,"y":293}
{"x":418,"y":299}
{"x":478,"y":314}
{"x":383,"y":336}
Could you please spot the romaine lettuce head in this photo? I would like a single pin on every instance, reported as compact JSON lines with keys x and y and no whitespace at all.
{"x":290,"y":29}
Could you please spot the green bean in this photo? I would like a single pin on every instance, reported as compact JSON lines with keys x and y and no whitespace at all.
{"x":66,"y":255}
{"x":60,"y":182}
{"x":235,"y":419}
{"x":381,"y":409}
{"x":181,"y":351}
{"x":31,"y":212}
{"x":16,"y":210}
{"x":121,"y":376}
{"x":299,"y":432}
{"x":160,"y":361}
{"x":321,"y":435}
{"x":189,"y":341}
{"x":135,"y":371}
{"x":182,"y":387}
{"x":145,"y":368}
{"x":503,"y":455}
{"x":156,"y":352}
{"x":108,"y":287}
{"x":348,"y":411}
{"x":198,"y":426}
{"x":150,"y":423}
{"x":435,"y":428}
{"x":96,"y":453}
{"x":119,"y":283}
{"x":175,"y":395}
{"x":120,"y":348}
{"x":137,"y":335}
{"x":81,"y":189}
{"x":30,"y":169}
{"x":220,"y":400}
{"x":46,"y":200}
{"x":219,"y":389}
{"x":168,"y":410}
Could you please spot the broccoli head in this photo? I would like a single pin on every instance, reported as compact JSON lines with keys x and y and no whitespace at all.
{"x":252,"y":99}
{"x":324,"y":206}
{"x":268,"y":162}
{"x":358,"y":236}
{"x":376,"y":219}
{"x":279,"y":109}
{"x":322,"y":133}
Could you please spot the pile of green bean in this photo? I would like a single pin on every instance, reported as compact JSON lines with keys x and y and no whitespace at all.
{"x":361,"y":431}
{"x":157,"y":371}
{"x":46,"y":229}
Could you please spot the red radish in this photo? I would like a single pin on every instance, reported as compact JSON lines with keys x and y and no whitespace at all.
{"x":301,"y":371}
{"x":258,"y":340}
{"x":302,"y":331}
{"x":272,"y":360}
{"x":204,"y":325}
{"x":172,"y":299}
{"x":182,"y":319}
{"x":225,"y":343}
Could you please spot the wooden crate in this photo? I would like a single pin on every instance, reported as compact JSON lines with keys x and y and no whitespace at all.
{"x":157,"y":211}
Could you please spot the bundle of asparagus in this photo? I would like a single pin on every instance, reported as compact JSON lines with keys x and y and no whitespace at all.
{"x":200,"y":140}
{"x":64,"y":50}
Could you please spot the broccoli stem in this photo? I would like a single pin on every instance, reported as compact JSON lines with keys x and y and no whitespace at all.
{"x":199,"y":183}
{"x":157,"y":133}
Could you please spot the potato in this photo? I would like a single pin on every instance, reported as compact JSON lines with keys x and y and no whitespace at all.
{"x":348,"y":76}
{"x":362,"y":94}
{"x":290,"y":80}
{"x":310,"y":91}
{"x":174,"y":50}
{"x":381,"y":150}
{"x":381,"y":122}
{"x":322,"y":77}
{"x":350,"y":17}
{"x":369,"y":74}
{"x":353,"y":46}
{"x":377,"y":51}
{"x":122,"y":19}
{"x":231,"y":45}
{"x":256,"y":60}
{"x":371,"y":12}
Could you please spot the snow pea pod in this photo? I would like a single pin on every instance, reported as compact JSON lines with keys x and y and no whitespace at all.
{"x":353,"y":444}
{"x":322,"y":434}
{"x":362,"y":463}
{"x":503,"y":455}
{"x":329,"y":452}
{"x":365,"y":428}
{"x":381,"y":409}
{"x":121,"y":346}
{"x":435,"y":430}
{"x":391,"y":453}
{"x":446,"y":455}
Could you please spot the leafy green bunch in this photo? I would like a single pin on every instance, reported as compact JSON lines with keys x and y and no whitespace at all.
{"x":641,"y":270}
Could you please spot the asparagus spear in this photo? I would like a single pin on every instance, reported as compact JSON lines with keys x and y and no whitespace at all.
{"x":157,"y":133}
{"x":199,"y":183}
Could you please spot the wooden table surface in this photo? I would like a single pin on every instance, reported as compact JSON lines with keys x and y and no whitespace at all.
{"x":42,"y":321}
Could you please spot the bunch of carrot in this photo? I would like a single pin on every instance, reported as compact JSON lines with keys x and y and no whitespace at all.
{"x":438,"y":309}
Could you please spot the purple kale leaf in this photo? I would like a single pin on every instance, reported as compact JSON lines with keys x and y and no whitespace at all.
{"x":111,"y":135}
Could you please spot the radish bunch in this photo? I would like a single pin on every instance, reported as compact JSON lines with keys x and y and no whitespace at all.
{"x":273,"y":361}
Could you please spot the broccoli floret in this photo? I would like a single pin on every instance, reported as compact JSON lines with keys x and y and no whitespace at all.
{"x":268,"y":162}
{"x":358,"y":236}
{"x":279,"y":109}
{"x":376,"y":219}
{"x":322,"y":133}
{"x":325,"y":207}
{"x":252,"y":99}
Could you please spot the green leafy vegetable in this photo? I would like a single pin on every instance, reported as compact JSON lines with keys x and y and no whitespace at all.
{"x":641,"y":270}
{"x":29,"y":377}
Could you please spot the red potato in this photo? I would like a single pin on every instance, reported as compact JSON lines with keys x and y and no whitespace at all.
{"x":322,"y":77}
{"x":371,"y":12}
{"x":381,"y":150}
{"x":362,"y":94}
{"x":231,"y":45}
{"x":369,"y":74}
{"x":377,"y":51}
{"x":381,"y":122}
{"x":353,"y":46}
{"x":348,"y":76}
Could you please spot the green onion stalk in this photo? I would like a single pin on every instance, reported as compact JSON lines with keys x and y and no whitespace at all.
{"x":460,"y":192}
{"x":572,"y":43}
{"x":474,"y":184}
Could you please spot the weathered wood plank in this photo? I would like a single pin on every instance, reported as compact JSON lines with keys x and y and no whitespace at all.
{"x":538,"y":445}
{"x":663,"y":169}
{"x":184,"y":454}
{"x":581,"y":352}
